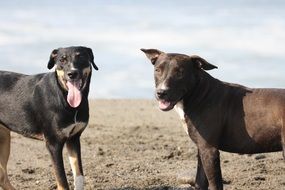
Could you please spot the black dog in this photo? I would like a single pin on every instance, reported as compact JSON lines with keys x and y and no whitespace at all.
{"x":51,"y":107}
{"x":217,"y":115}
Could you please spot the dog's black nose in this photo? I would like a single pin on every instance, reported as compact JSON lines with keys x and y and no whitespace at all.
{"x":73,"y":74}
{"x":161,"y":93}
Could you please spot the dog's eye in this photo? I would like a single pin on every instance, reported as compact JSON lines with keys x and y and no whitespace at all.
{"x":63,"y":59}
{"x":80,"y":56}
{"x":158,"y":70}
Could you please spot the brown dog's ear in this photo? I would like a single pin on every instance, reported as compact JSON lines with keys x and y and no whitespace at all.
{"x":91,"y":56}
{"x":202,"y":63}
{"x":152,"y":54}
{"x":52,"y":59}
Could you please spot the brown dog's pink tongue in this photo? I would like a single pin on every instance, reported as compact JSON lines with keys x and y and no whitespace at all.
{"x":163,"y":104}
{"x":74,"y":95}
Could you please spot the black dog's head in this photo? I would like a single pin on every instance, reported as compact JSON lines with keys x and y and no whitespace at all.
{"x":73,"y":70}
{"x":175,"y":75}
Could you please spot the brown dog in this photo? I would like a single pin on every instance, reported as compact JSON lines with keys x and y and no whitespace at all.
{"x":217,"y":115}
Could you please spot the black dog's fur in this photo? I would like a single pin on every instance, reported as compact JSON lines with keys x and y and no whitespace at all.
{"x":36,"y":106}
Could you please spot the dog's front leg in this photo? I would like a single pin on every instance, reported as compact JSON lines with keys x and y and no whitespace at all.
{"x":201,"y":181}
{"x":74,"y":153}
{"x":210,"y":159}
{"x":55,"y":150}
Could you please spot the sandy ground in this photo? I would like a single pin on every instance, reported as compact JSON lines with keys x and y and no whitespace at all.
{"x":131,"y":145}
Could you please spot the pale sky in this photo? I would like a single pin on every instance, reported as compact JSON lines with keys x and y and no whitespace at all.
{"x":245,"y":39}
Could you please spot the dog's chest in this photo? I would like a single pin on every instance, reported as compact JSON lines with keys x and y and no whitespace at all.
{"x":179,"y":108}
{"x":74,"y":128}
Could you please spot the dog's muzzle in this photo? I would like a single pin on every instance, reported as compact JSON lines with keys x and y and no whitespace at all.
{"x":74,"y":82}
{"x":164,"y":103}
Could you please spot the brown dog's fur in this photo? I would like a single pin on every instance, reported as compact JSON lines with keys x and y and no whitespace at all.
{"x":218,"y":115}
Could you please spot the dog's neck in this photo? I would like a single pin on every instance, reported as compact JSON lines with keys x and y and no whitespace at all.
{"x":203,"y":91}
{"x":209,"y":91}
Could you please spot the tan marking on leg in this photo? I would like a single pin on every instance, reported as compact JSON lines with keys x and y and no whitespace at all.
{"x":58,"y":184}
{"x":74,"y":165}
{"x":78,"y":178}
{"x":59,"y":187}
{"x":5,"y":139}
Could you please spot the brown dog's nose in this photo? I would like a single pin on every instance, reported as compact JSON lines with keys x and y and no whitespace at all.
{"x":73,"y":74}
{"x":161,"y":93}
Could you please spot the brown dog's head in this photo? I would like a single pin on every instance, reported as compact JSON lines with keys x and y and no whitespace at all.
{"x":73,"y":70}
{"x":175,"y":75}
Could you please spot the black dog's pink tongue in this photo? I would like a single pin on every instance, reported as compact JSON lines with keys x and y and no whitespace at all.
{"x":162,"y":104}
{"x":74,"y":95}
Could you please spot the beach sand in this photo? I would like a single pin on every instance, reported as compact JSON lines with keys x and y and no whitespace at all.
{"x":130,"y":144}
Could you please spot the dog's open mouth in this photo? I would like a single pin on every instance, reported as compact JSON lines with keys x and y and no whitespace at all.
{"x":165,"y":105}
{"x":74,"y":95}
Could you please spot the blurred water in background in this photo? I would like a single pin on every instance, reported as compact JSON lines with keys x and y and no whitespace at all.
{"x":244,"y":38}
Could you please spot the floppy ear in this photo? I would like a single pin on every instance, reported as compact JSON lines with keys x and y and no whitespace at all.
{"x":52,"y":57}
{"x":91,"y":56}
{"x":202,"y":63}
{"x":152,"y":54}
